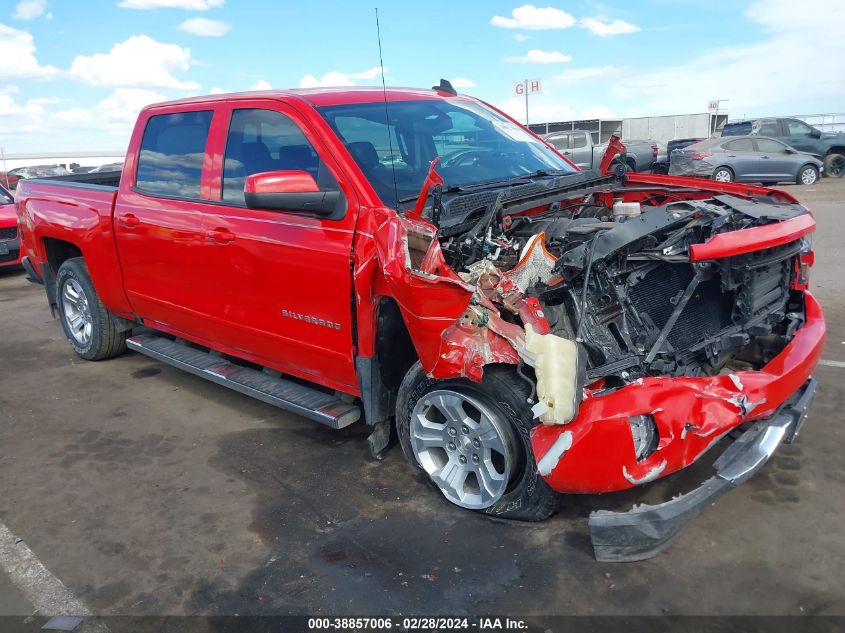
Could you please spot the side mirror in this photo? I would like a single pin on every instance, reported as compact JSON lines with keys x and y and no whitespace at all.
{"x":789,"y":150}
{"x":815,"y":133}
{"x":295,"y":191}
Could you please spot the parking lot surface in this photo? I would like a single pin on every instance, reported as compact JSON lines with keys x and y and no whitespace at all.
{"x":148,"y":491}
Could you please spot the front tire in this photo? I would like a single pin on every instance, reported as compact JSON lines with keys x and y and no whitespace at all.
{"x":473,"y":442}
{"x":807,"y":175}
{"x":834,"y":165}
{"x":90,"y":328}
{"x":723,"y":174}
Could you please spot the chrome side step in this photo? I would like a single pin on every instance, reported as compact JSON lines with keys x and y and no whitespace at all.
{"x":311,"y":403}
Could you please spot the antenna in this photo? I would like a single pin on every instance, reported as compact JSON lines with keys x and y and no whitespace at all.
{"x":386,"y":113}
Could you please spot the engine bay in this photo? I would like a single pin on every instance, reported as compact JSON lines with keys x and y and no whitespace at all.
{"x":610,"y":264}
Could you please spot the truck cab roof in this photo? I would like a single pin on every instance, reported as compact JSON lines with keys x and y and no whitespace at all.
{"x":319,"y":97}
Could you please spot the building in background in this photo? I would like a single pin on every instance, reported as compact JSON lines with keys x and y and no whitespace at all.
{"x":656,"y":128}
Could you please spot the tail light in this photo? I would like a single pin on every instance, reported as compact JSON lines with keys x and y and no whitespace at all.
{"x":699,"y":155}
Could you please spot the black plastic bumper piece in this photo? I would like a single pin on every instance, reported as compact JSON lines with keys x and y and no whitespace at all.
{"x":647,"y":530}
{"x":31,"y":274}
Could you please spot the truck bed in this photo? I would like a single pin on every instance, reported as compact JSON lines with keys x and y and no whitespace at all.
{"x":104,"y":178}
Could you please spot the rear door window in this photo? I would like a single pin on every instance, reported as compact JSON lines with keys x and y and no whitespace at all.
{"x":740,"y":145}
{"x":770,"y":146}
{"x":172,"y":154}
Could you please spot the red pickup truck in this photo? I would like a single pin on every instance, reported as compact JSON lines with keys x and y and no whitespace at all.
{"x":418,"y":261}
{"x":10,"y":244}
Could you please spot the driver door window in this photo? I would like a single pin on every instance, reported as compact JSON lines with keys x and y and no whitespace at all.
{"x":798,"y":128}
{"x":265,"y":140}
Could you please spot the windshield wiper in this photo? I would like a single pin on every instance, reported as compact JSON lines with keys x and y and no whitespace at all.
{"x":522,"y":179}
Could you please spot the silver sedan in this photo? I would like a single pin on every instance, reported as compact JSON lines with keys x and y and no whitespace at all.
{"x":745,"y":159}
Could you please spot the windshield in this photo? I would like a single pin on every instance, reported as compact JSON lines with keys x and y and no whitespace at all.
{"x":5,"y":196}
{"x":474,"y":144}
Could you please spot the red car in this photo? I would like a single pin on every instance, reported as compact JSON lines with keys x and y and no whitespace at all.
{"x":419,"y":261}
{"x":10,"y":245}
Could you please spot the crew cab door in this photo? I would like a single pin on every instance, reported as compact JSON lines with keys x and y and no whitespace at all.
{"x":775,"y":159}
{"x":280,"y":283}
{"x":157,"y":219}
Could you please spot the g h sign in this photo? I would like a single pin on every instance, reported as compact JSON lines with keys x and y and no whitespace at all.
{"x":527,"y":87}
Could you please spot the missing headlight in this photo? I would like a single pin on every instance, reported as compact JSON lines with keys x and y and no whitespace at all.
{"x":644,"y":434}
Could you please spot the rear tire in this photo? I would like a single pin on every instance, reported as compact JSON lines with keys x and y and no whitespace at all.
{"x":91,"y":329}
{"x":807,"y":175}
{"x":834,"y":165}
{"x":723,"y":174}
{"x":493,"y":413}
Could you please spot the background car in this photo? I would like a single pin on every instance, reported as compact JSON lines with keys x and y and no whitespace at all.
{"x":828,"y":146}
{"x":746,"y":159}
{"x":10,"y":244}
{"x":108,"y":167}
{"x":40,"y":171}
{"x":661,"y":163}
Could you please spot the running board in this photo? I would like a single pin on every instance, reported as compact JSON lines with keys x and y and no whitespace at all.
{"x":311,"y":403}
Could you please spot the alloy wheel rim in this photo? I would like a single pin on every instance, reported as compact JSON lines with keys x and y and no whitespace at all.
{"x":466,"y":449}
{"x":77,"y":313}
{"x":808,"y":176}
{"x":722,"y":176}
{"x":837,"y":166}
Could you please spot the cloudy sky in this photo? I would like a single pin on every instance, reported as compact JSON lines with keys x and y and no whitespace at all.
{"x":73,"y":75}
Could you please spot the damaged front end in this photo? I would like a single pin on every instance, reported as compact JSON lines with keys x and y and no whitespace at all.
{"x":652,"y":315}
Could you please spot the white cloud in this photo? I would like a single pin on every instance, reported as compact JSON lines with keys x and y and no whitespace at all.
{"x":597,"y":112}
{"x":530,"y":18}
{"x":261,"y":84}
{"x":536,"y":56}
{"x":106,"y":125}
{"x":17,"y":56}
{"x":521,"y":37}
{"x":541,"y":112}
{"x":188,"y":5}
{"x":30,"y":9}
{"x":578,"y":75}
{"x":139,"y":62}
{"x":462,"y":82}
{"x":205,"y":27}
{"x":337,"y":78}
{"x":766,"y":76}
{"x":603,"y":29}
{"x":216,"y":90}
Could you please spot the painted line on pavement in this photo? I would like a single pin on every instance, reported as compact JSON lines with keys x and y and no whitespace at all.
{"x":832,"y":363}
{"x":40,"y":587}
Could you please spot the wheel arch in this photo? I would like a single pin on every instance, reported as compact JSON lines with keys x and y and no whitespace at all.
{"x":57,"y":252}
{"x":381,"y":374}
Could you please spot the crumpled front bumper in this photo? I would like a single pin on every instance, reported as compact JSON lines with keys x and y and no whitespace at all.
{"x":647,"y":530}
{"x":595,"y":453}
